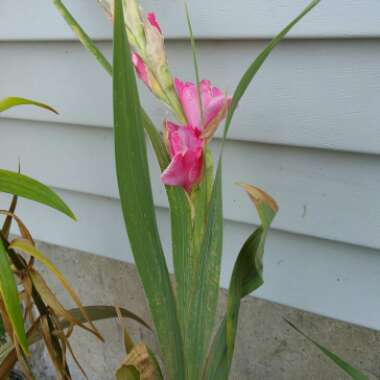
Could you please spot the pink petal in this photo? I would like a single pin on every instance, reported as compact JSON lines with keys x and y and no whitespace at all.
{"x":140,"y":68}
{"x":188,"y":96}
{"x":213,"y":100}
{"x":181,"y":139}
{"x":184,"y":170}
{"x":186,"y":150}
{"x":215,"y":107}
{"x":153,"y":21}
{"x":193,"y":161}
{"x":179,"y":85}
{"x":174,"y":174}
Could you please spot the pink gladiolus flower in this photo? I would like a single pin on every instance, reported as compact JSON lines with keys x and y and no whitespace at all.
{"x":153,"y":21}
{"x":140,"y":68}
{"x":186,"y":152}
{"x":213,"y":102}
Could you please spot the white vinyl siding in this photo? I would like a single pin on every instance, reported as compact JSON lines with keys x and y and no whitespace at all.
{"x":307,"y":131}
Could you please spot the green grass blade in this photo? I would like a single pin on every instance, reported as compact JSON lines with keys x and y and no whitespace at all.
{"x":351,"y":371}
{"x":137,"y":201}
{"x":9,"y":295}
{"x":26,"y":187}
{"x":14,"y":101}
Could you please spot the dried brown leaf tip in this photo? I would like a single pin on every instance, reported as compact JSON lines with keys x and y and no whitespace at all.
{"x":140,"y":359}
{"x":259,"y":196}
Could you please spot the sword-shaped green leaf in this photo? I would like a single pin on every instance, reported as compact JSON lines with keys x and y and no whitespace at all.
{"x":180,"y":212}
{"x":202,"y":271}
{"x":9,"y":295}
{"x":217,"y":365}
{"x":137,"y":201}
{"x":205,"y":283}
{"x":258,"y":62}
{"x":14,"y":101}
{"x":26,"y":187}
{"x":246,"y":277}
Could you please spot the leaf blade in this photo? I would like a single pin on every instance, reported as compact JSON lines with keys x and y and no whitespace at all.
{"x":205,"y":285}
{"x":246,"y":277}
{"x":14,"y":101}
{"x":350,"y":370}
{"x":27,"y":248}
{"x":9,"y":294}
{"x":258,"y":62}
{"x":137,"y":201}
{"x":8,"y":356}
{"x":216,"y":367}
{"x":180,"y":211}
{"x":27,"y":187}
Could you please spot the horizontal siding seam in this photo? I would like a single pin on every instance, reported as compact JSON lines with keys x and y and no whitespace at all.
{"x":231,"y":139}
{"x":202,"y":38}
{"x":228,"y":219}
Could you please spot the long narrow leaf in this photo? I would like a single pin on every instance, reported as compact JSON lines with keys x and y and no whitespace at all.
{"x":180,"y":212}
{"x":27,"y":248}
{"x":217,"y":366}
{"x":9,"y":295}
{"x":351,"y":371}
{"x":100,"y":312}
{"x":14,"y":101}
{"x":9,"y":218}
{"x":137,"y":201}
{"x":82,"y":35}
{"x":246,"y":277}
{"x":197,"y":293}
{"x":258,"y":62}
{"x":247,"y":274}
{"x":26,"y":187}
{"x":205,"y":286}
{"x":195,"y":61}
{"x":204,"y":266}
{"x":180,"y":215}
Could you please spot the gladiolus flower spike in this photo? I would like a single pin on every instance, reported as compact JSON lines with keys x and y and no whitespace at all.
{"x":187,"y":141}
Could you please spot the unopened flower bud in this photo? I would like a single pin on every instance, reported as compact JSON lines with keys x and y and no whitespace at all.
{"x":133,"y":19}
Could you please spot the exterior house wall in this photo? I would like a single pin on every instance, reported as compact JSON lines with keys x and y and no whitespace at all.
{"x":307,"y":131}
